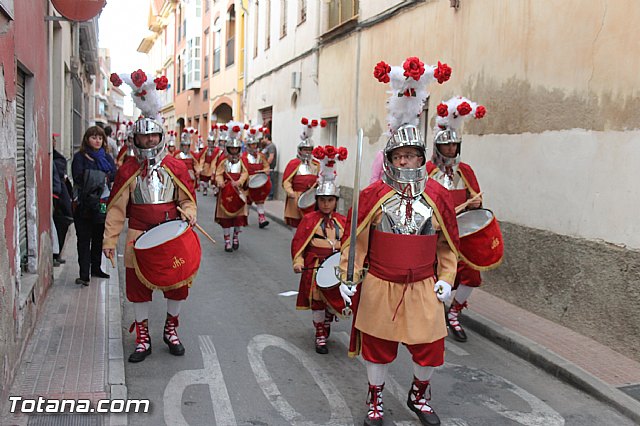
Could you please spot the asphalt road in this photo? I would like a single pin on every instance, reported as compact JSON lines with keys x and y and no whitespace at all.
{"x":250,"y":358}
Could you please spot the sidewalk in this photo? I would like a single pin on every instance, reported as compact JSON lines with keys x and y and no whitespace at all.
{"x":75,"y":351}
{"x":576,"y":359}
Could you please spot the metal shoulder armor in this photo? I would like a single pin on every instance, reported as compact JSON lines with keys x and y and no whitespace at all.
{"x":406,"y":216}
{"x":307,"y":168}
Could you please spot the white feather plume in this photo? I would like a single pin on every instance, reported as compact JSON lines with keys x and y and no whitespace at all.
{"x":150,"y":103}
{"x":454,"y":120}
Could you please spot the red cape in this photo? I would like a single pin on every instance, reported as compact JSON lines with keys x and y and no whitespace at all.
{"x":292,"y":167}
{"x":307,"y":226}
{"x":372,"y":196}
{"x":122,"y":152}
{"x":130,"y":169}
{"x":465,"y":170}
{"x":197,"y":155}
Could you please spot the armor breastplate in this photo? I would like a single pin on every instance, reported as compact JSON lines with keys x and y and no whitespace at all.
{"x":445,"y":180}
{"x":414,"y":220}
{"x":183,"y":156}
{"x":233,"y":167}
{"x":253,"y":159}
{"x":307,"y":169}
{"x":156,"y":187}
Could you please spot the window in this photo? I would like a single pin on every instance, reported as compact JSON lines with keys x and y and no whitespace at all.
{"x":283,"y":18}
{"x":205,"y":52}
{"x":21,"y":165}
{"x":330,"y":135}
{"x":199,"y":8}
{"x":179,"y":24}
{"x":231,"y":32}
{"x":341,"y":11}
{"x":205,"y":95}
{"x":302,"y":11}
{"x":267,"y":25}
{"x":217,"y":40}
{"x":192,"y":63}
{"x":255,"y":29}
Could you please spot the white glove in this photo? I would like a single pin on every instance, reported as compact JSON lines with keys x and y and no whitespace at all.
{"x":443,"y":290}
{"x":346,"y":293}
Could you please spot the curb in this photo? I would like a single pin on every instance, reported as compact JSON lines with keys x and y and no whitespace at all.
{"x":116,"y":376}
{"x":553,"y":364}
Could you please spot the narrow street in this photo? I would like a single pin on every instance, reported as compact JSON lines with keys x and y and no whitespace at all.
{"x":251,"y":361}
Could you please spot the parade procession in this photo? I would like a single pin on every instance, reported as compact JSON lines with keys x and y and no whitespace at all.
{"x":319,"y":213}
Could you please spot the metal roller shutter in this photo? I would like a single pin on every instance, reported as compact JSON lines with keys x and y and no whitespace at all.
{"x":21,"y":185}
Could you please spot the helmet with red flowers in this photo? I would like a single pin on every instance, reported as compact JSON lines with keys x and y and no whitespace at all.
{"x":305,"y":146}
{"x":450,"y":116}
{"x":233,"y":143}
{"x":408,"y":94}
{"x":328,"y":156}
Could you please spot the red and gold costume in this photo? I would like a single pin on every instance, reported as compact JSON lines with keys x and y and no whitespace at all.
{"x":309,"y":247}
{"x":210,"y":164}
{"x":142,"y":217}
{"x":260,"y":167}
{"x":466,"y":186}
{"x":224,"y":216}
{"x":295,"y":183}
{"x":396,"y":302}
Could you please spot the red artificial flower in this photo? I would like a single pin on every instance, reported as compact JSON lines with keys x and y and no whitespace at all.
{"x":443,"y":110}
{"x":304,"y":121}
{"x":130,"y":123}
{"x":323,"y":123}
{"x":138,"y":78}
{"x":266,"y":131}
{"x":190,"y":130}
{"x":314,"y":123}
{"x":318,"y":152}
{"x":331,"y":163}
{"x":413,"y":68}
{"x":464,"y":108}
{"x":161,"y":83}
{"x":246,"y":127}
{"x":480,"y":111}
{"x":224,"y":127}
{"x":342,"y":153}
{"x":236,"y":128}
{"x":252,"y":131}
{"x":141,"y":94}
{"x":214,"y":126}
{"x":196,"y":132}
{"x":442,"y":72}
{"x":115,"y":79}
{"x":381,"y":72}
{"x":331,"y":151}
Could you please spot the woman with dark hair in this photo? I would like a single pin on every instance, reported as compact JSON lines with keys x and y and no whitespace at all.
{"x":93,"y":171}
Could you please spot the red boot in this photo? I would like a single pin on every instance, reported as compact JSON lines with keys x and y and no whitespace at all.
{"x":262,"y":221}
{"x":143,"y":341}
{"x":375,"y":412}
{"x":171,"y":335}
{"x":418,"y":402}
{"x":321,"y":338}
{"x":227,"y":244}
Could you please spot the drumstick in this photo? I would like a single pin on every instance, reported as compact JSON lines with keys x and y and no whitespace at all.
{"x":466,"y":203}
{"x":200,"y":228}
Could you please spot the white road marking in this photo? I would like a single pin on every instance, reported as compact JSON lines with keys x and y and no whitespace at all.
{"x":211,"y":375}
{"x":288,"y":293}
{"x":340,"y":413}
{"x":457,"y":350}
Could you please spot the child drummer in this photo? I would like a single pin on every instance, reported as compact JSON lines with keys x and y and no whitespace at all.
{"x":316,"y":238}
{"x":256,"y":162}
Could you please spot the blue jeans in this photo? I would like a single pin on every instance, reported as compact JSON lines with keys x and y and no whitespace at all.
{"x":273,"y":175}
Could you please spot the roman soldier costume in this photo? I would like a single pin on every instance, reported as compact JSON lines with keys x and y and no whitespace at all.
{"x":300,"y":174}
{"x":126,"y":151}
{"x":210,"y":163}
{"x":317,"y":237}
{"x":185,"y":151}
{"x":405,"y":251}
{"x":460,"y":180}
{"x":256,"y":163}
{"x":231,"y":174}
{"x":149,"y":191}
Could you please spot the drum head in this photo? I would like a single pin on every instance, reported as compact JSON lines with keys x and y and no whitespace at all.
{"x":307,"y":198}
{"x":473,"y":220}
{"x":160,"y":234}
{"x":326,"y":274}
{"x":258,"y":180}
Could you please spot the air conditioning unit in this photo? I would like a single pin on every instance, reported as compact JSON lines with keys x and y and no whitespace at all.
{"x":296,"y":78}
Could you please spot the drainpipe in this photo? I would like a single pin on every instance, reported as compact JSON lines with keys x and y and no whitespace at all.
{"x":245,"y":62}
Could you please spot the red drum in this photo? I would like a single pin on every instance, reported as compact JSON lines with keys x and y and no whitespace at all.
{"x":307,"y":200}
{"x":232,"y":200}
{"x":167,"y":256}
{"x":328,"y":283}
{"x":259,"y":187}
{"x":481,"y":243}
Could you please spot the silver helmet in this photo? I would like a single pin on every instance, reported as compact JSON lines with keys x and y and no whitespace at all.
{"x":443,"y":137}
{"x":147,"y":126}
{"x":328,"y":188}
{"x":233,"y":143}
{"x":305,"y":143}
{"x":406,"y":181}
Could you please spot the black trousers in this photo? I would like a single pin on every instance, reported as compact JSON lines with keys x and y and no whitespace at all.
{"x":62,"y":226}
{"x":90,"y":235}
